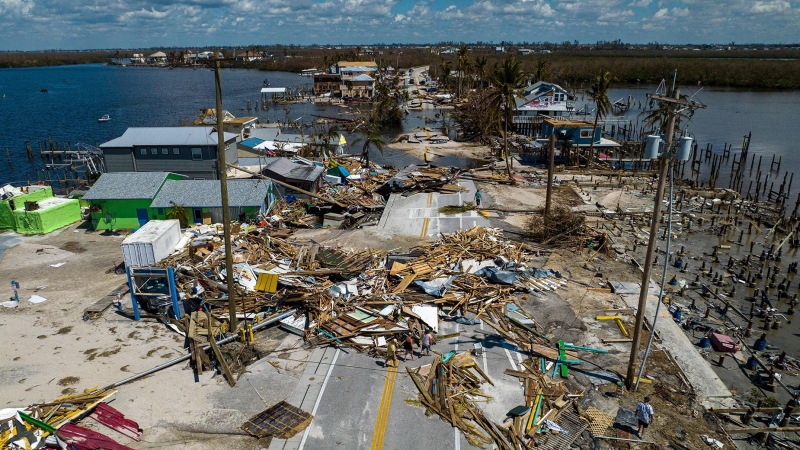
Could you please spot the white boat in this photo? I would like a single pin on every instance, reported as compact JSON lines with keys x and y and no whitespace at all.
{"x":310,"y":72}
{"x":105,"y":118}
{"x":414,"y":104}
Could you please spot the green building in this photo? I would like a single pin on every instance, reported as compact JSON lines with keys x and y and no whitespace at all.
{"x":34,"y":210}
{"x":121,"y":201}
{"x":202,"y":199}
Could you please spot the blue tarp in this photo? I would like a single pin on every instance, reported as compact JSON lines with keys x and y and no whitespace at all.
{"x":498,"y":276}
{"x":435,"y":290}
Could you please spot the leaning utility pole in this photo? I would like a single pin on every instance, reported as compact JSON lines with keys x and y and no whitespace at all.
{"x":676,"y":104}
{"x":226,"y":214}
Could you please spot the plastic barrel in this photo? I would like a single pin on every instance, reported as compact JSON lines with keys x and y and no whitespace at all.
{"x":751,"y":363}
{"x":705,"y":342}
{"x":677,"y":315}
{"x":760,"y":345}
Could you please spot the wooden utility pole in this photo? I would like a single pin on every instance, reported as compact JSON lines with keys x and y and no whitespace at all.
{"x":226,"y":214}
{"x":676,"y":104}
{"x":551,"y":162}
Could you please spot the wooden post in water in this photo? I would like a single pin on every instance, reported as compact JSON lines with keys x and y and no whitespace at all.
{"x":8,"y":156}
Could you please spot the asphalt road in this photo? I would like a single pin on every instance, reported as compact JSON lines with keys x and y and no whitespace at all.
{"x":359,"y":404}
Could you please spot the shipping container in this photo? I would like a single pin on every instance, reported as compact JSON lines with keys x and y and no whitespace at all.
{"x":151,"y":243}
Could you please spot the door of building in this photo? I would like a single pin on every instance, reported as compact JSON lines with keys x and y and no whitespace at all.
{"x":142,"y":215}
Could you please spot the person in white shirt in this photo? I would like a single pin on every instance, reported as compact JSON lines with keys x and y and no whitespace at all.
{"x":645,"y":414}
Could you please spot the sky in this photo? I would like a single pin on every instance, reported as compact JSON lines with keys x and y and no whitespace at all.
{"x":92,"y":24}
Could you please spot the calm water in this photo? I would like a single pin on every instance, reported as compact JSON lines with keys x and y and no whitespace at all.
{"x":78,"y":95}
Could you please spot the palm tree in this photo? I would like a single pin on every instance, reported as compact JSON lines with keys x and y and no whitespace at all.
{"x":327,"y":136}
{"x":599,"y":95}
{"x":506,"y":80}
{"x":480,"y":69}
{"x":542,"y":71}
{"x":371,"y":137}
{"x":463,"y":61}
{"x":658,"y":115}
{"x":444,"y":79}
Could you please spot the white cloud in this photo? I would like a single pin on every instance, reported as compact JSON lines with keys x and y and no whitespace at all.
{"x":661,"y":13}
{"x":16,"y":7}
{"x":770,"y":6}
{"x":640,"y":3}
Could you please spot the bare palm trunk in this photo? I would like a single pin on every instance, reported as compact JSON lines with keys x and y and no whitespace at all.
{"x":505,"y":151}
{"x":591,"y":146}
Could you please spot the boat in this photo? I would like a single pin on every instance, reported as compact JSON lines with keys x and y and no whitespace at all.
{"x":43,"y":90}
{"x":266,"y":82}
{"x":310,"y":72}
{"x":414,"y":104}
{"x":105,"y":118}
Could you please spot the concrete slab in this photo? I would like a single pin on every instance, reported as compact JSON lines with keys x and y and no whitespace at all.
{"x":709,"y":388}
{"x":418,"y":214}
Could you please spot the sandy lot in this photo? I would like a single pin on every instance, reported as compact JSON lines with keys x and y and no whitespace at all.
{"x":50,"y":350}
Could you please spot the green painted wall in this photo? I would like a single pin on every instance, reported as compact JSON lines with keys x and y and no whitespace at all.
{"x":7,"y":215}
{"x":123,"y":213}
{"x":46,"y":220}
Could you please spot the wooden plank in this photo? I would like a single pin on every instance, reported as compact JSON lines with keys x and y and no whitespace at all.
{"x":222,"y":364}
{"x":405,"y":283}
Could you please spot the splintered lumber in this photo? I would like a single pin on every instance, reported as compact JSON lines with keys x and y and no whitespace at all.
{"x":221,"y":358}
{"x":405,"y":283}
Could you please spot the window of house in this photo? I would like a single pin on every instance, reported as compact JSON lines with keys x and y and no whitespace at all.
{"x":198,"y":178}
{"x":160,"y":211}
{"x":165,"y":151}
{"x":176,"y":151}
{"x":586,"y":133}
{"x":153,"y":151}
{"x":197,"y":154}
{"x":142,"y":151}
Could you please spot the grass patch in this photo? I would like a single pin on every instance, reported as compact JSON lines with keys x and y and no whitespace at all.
{"x":449,"y":210}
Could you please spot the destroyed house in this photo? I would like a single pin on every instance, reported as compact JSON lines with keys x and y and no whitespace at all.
{"x":121,"y":201}
{"x":189,"y":151}
{"x":202,"y":199}
{"x":537,"y":101}
{"x":305,"y":175}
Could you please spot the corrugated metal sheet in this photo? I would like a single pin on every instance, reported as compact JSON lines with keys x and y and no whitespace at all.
{"x":156,"y":136}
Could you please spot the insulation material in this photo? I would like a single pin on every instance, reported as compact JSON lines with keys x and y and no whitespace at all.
{"x":429,"y":314}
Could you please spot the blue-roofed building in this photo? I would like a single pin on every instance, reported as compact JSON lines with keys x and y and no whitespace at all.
{"x":248,"y":147}
{"x":121,"y":201}
{"x":202,"y":199}
{"x":189,"y":151}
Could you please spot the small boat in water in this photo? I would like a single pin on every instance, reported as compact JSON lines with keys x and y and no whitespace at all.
{"x":266,"y":82}
{"x":105,"y":118}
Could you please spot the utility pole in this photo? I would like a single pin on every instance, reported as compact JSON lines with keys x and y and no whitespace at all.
{"x":676,"y":104}
{"x":550,"y":164}
{"x":226,"y":214}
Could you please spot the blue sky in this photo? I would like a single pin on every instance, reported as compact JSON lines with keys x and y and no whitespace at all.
{"x":82,"y":24}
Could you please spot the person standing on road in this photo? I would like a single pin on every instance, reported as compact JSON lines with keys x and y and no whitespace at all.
{"x":645,"y":414}
{"x":427,"y":341}
{"x":391,"y":353}
{"x":408,"y":347}
{"x":478,"y":196}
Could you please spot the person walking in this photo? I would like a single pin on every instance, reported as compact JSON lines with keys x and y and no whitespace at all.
{"x":391,"y":353}
{"x":478,"y":195}
{"x":645,"y":414}
{"x":408,"y":347}
{"x":427,"y":341}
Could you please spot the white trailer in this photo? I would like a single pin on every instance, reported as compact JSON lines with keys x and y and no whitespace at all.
{"x":151,"y":243}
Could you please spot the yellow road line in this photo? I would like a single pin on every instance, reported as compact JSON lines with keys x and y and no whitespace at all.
{"x":425,"y":223}
{"x":383,"y":409}
{"x":430,"y":199}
